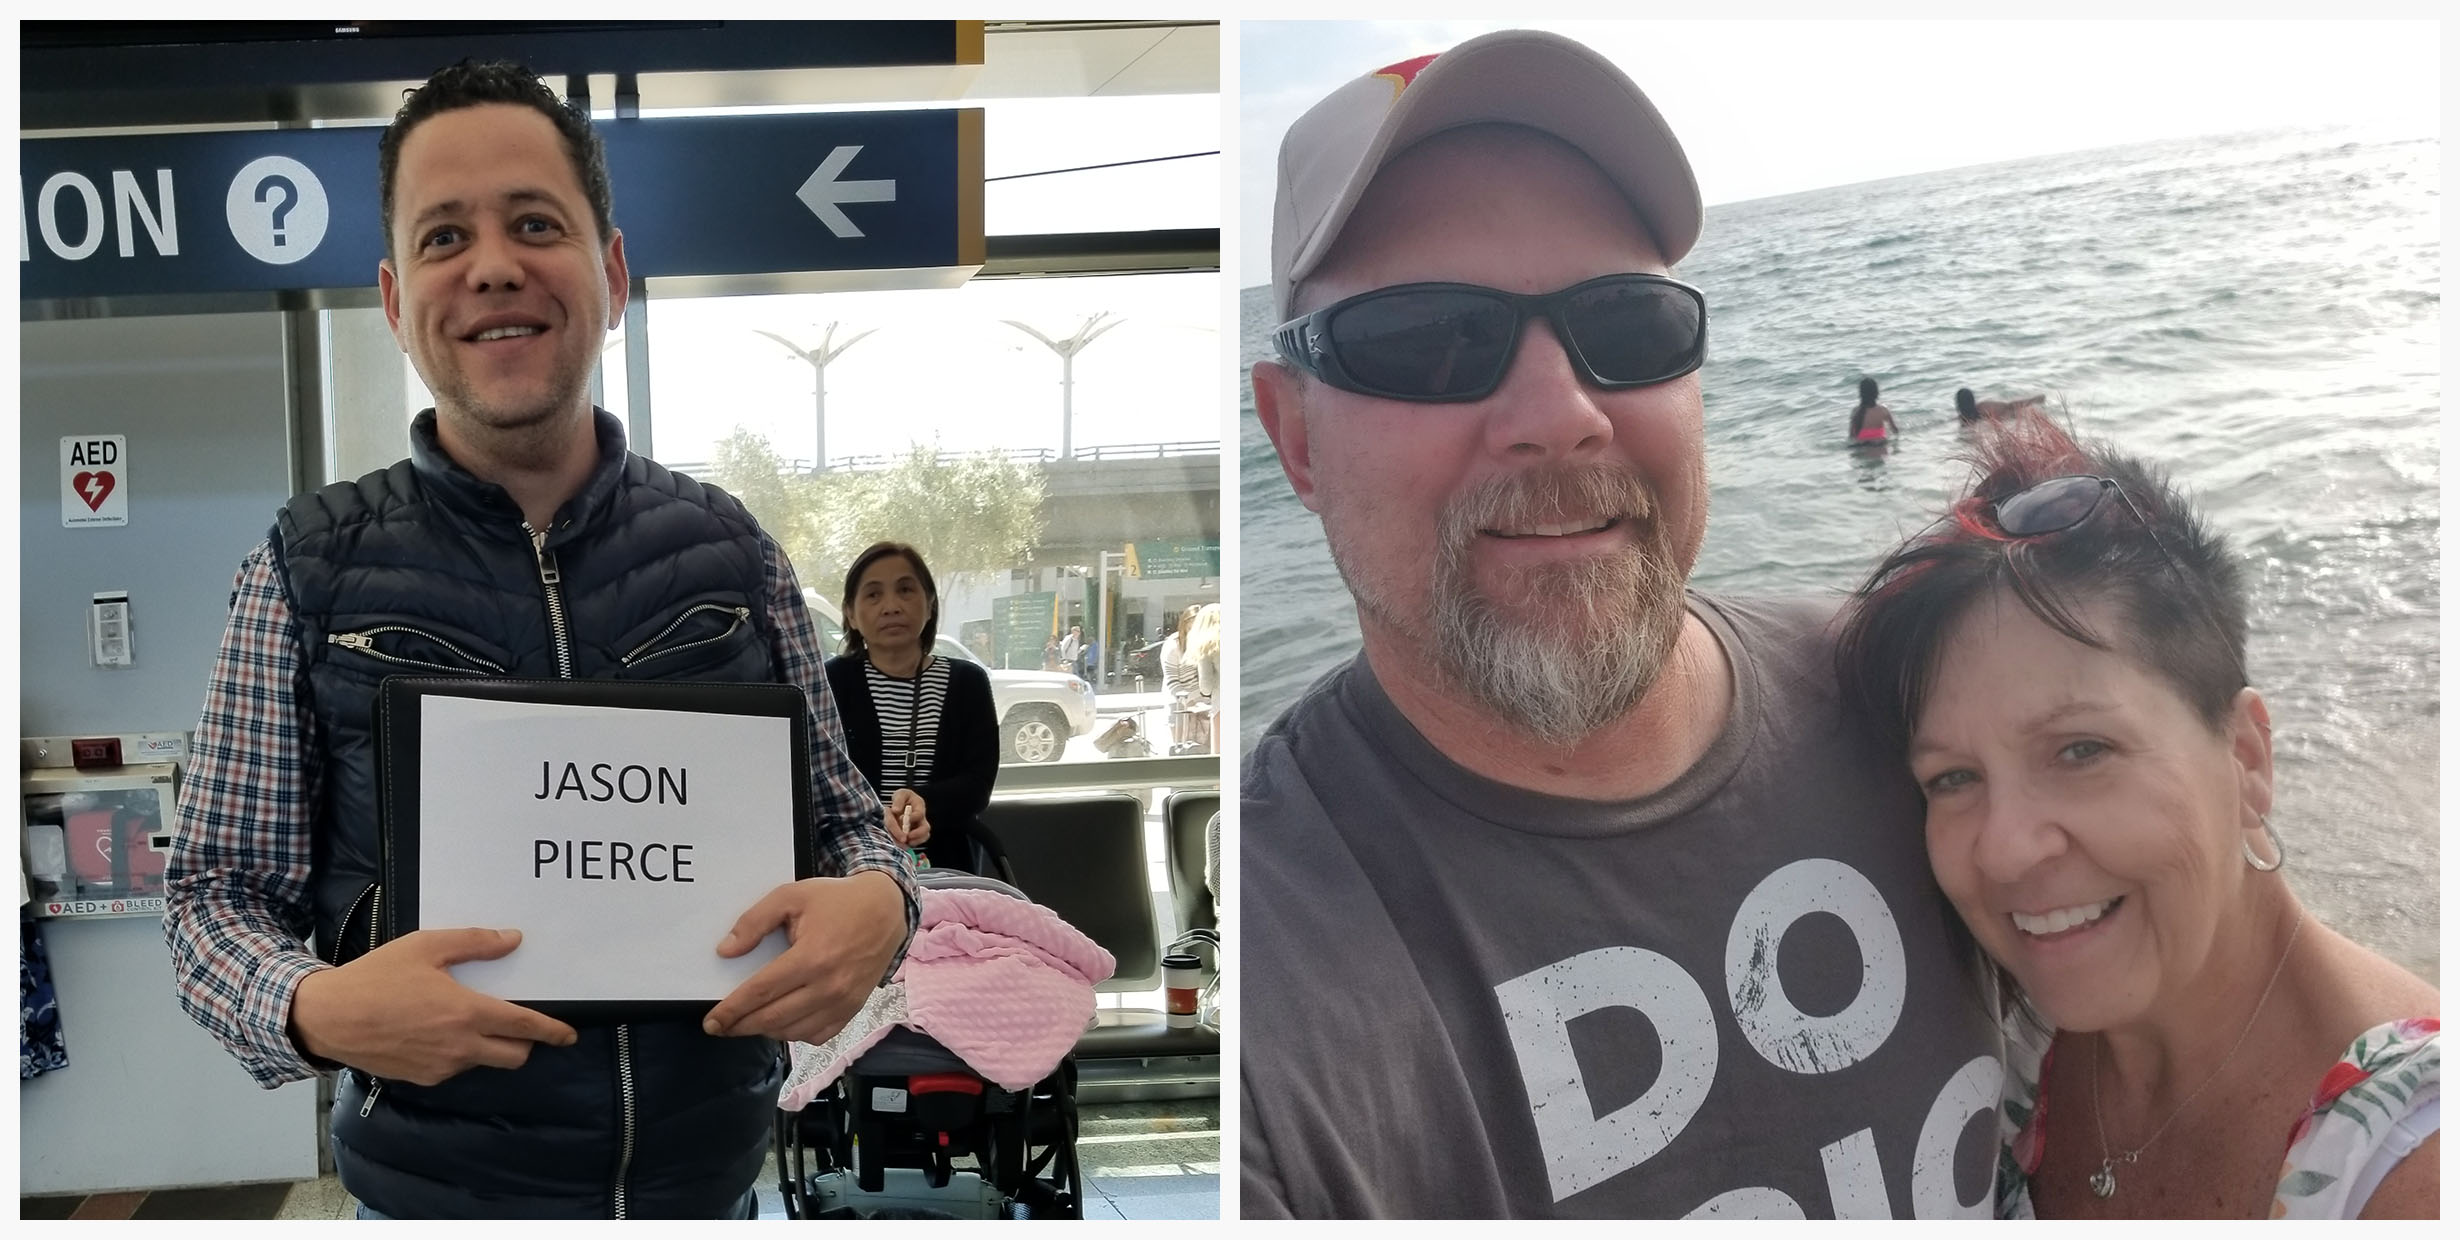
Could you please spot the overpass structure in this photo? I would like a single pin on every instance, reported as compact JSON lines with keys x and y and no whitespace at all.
{"x":1101,"y":499}
{"x":1104,"y":499}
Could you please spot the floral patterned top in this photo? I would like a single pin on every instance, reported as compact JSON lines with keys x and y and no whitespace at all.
{"x":2372,"y":1109}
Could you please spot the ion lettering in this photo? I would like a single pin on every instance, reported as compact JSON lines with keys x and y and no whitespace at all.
{"x":129,"y":201}
{"x":47,"y":215}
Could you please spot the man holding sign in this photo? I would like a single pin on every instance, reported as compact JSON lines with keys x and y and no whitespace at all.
{"x":521,"y":539}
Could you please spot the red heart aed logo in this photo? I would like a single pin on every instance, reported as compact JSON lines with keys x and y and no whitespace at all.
{"x":95,"y":487}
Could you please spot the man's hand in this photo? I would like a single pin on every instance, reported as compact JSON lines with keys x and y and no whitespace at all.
{"x":841,"y":934}
{"x":396,"y":1013}
{"x":909,"y":822}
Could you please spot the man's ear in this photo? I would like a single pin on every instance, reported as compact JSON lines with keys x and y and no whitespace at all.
{"x":1281,"y":406}
{"x":618,"y":280}
{"x":388,"y":286}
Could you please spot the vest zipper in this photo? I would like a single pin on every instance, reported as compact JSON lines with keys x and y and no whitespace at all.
{"x":623,"y":1082}
{"x":364,"y":642}
{"x":740,"y":614}
{"x":334,"y":949}
{"x":375,"y":924}
{"x":372,"y":900}
{"x":552,"y":578}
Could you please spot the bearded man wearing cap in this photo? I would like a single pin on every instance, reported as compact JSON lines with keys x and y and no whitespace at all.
{"x":1572,"y":895}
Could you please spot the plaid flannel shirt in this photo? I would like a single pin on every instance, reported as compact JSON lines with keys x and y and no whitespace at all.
{"x":238,"y":912}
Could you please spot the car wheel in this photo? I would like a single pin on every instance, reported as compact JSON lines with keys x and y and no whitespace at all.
{"x":1032,"y":736}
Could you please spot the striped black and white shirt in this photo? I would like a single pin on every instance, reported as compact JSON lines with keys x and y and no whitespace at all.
{"x":909,"y":710}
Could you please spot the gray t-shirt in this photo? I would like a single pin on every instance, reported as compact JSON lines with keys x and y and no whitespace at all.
{"x":1740,"y":995}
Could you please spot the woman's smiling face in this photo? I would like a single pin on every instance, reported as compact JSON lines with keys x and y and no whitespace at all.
{"x":2084,"y":821}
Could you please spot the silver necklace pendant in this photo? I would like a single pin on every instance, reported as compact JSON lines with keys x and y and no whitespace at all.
{"x":2104,"y":1182}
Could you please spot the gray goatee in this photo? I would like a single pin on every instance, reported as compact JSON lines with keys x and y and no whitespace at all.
{"x":1568,"y":647}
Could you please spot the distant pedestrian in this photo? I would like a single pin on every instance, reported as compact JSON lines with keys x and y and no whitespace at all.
{"x":1204,"y":650}
{"x":1179,"y":680}
{"x":1871,"y":422}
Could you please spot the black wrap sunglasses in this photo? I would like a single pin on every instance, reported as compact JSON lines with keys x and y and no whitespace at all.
{"x":1455,"y":342}
{"x":2060,"y":504}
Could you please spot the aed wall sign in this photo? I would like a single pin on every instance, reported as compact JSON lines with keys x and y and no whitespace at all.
{"x":275,"y":209}
{"x":93,"y":480}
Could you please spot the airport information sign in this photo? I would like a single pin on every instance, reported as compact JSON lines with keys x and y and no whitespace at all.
{"x":1174,"y":559}
{"x":1021,"y":624}
{"x":276,"y":209}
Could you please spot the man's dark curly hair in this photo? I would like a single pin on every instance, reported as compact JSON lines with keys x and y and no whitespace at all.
{"x":473,"y":82}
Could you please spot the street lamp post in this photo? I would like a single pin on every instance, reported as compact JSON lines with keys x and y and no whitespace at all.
{"x":1067,"y":350}
{"x":1111,"y":560}
{"x":819,"y":356}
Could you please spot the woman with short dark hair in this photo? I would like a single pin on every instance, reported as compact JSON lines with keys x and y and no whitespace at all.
{"x":2063,"y":659}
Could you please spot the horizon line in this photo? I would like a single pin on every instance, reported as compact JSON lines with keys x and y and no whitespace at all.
{"x":2018,"y":159}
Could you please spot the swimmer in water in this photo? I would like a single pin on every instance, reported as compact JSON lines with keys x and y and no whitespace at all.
{"x":1872,"y":423}
{"x":1971,"y":410}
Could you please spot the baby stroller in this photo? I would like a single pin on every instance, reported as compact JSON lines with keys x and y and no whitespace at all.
{"x":910,"y":1130}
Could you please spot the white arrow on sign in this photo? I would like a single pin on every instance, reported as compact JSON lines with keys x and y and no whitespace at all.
{"x":823,"y":192}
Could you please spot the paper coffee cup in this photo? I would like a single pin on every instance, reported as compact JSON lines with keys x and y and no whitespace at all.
{"x":1182,"y":976}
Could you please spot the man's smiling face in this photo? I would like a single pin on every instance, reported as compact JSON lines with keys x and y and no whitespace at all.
{"x":1534,"y":543}
{"x":497,"y":284}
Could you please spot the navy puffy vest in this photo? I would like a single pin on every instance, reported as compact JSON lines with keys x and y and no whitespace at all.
{"x":424,"y":569}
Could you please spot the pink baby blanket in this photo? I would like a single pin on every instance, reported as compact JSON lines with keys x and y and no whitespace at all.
{"x":1003,"y":983}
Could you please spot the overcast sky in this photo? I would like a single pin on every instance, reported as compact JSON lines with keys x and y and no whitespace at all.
{"x":1779,"y":106}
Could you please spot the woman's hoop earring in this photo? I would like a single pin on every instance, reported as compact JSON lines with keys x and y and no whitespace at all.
{"x":2280,"y":851}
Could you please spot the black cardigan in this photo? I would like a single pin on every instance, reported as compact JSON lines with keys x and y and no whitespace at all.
{"x":964,"y":754}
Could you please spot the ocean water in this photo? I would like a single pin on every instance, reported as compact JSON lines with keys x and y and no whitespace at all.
{"x":2260,"y":313}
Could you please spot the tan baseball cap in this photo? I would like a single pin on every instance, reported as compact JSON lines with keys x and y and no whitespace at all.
{"x":1520,"y":77}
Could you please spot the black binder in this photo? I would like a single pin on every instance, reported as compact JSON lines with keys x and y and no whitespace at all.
{"x":399,"y":709}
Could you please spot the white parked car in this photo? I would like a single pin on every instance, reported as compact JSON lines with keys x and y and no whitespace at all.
{"x":1038,"y":711}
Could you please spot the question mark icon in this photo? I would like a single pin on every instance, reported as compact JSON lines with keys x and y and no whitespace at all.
{"x":289,"y":198}
{"x":277,"y":210}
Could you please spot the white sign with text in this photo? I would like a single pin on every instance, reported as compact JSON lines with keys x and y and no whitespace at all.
{"x":93,"y":480}
{"x":621,"y":843}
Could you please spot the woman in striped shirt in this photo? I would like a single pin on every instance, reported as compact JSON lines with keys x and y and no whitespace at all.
{"x":921,"y":727}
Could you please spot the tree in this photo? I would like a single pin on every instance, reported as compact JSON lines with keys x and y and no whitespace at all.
{"x":1067,"y":350}
{"x":752,"y":471}
{"x":974,"y":513}
{"x":818,"y":357}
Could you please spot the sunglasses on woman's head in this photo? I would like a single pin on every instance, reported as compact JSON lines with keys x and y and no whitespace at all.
{"x":2060,"y":504}
{"x":1455,"y":342}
